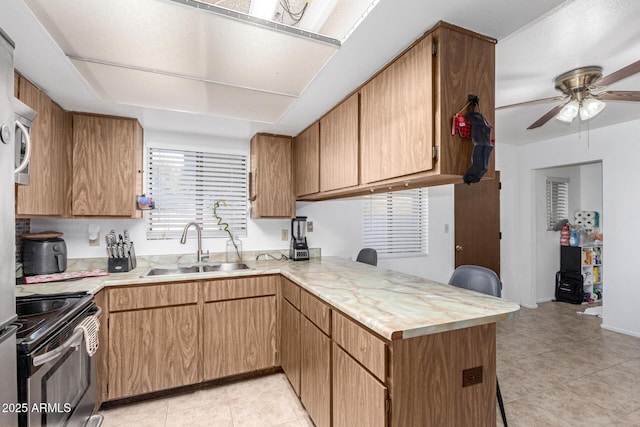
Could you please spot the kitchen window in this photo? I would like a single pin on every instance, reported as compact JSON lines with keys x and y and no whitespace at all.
{"x":184,"y":186}
{"x":397,"y":224}
{"x":557,"y":201}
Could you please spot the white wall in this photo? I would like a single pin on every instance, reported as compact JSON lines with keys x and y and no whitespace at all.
{"x":619,"y":149}
{"x":337,"y":223}
{"x":591,"y":188}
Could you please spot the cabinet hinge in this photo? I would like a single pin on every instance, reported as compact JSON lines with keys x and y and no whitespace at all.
{"x":500,"y":186}
{"x":434,"y":48}
{"x":436,"y":152}
{"x":388,"y":408}
{"x":500,"y":235}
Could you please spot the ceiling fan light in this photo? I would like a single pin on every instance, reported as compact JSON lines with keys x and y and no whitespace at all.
{"x":590,"y":108}
{"x":568,"y":112}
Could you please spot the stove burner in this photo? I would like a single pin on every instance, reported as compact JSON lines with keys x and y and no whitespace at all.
{"x":39,"y":307}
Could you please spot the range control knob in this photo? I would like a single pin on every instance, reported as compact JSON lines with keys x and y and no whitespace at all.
{"x":5,"y":134}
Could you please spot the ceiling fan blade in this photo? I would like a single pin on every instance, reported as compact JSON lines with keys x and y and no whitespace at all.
{"x":620,"y":95}
{"x":551,"y":114}
{"x":622,"y":73}
{"x":535,"y":101}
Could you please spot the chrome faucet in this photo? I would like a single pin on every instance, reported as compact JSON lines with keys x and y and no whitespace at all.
{"x":183,"y":240}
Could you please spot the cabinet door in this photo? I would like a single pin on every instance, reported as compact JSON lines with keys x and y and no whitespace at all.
{"x":397,"y":117}
{"x":315,"y":376}
{"x":358,"y":398}
{"x":339,"y":146}
{"x":239,"y":336}
{"x":46,"y":192}
{"x":306,"y":161}
{"x":152,"y":350}
{"x":107,"y":166}
{"x":290,"y":344}
{"x":271,"y":191}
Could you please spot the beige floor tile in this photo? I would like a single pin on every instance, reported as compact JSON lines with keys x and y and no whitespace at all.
{"x":218,"y":414}
{"x":200,"y":398}
{"x":129,"y":415}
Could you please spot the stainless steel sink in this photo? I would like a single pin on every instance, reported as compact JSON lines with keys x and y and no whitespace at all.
{"x":226,"y":266}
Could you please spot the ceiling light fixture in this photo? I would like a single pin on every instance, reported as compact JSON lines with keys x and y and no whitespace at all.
{"x":590,"y":108}
{"x":568,"y":112}
{"x":263,"y":9}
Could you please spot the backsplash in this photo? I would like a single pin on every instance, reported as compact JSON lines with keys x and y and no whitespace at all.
{"x":23,"y":225}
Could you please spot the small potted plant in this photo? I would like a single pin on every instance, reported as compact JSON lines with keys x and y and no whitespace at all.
{"x":234,"y":245}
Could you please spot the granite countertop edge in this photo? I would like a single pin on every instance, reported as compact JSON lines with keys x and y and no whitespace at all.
{"x":391,"y":304}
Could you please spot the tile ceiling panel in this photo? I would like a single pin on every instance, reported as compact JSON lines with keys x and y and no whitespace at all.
{"x":175,"y":39}
{"x":144,"y":89}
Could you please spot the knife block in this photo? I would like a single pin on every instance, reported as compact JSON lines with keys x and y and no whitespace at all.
{"x":121,"y":265}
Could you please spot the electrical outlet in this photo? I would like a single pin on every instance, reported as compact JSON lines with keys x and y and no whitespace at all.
{"x":309,"y":226}
{"x":472,"y":376}
{"x":284,"y":235}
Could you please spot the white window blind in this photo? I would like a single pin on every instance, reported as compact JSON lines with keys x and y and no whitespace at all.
{"x":557,"y":200}
{"x":184,"y":186}
{"x":396,"y":224}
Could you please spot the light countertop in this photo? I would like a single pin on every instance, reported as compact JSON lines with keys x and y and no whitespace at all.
{"x":392,"y":304}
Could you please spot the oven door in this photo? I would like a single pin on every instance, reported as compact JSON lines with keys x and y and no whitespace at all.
{"x":61,"y":389}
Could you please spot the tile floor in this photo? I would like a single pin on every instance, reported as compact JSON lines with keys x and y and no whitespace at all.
{"x":556,"y":368}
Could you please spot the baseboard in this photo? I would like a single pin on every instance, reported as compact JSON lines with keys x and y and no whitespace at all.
{"x":620,"y":330}
{"x":545,"y":300}
{"x":529,"y":305}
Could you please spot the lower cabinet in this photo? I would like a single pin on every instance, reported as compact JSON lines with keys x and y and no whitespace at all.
{"x":151,"y":350}
{"x":358,"y":398}
{"x":290,"y":343}
{"x":239,"y":336}
{"x":315,"y":373}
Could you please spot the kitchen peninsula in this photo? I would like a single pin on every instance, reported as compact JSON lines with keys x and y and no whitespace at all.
{"x":358,"y":343}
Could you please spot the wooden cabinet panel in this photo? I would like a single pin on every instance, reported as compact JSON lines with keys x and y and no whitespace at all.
{"x":361,"y":344}
{"x":107,"y":165}
{"x":239,"y":336}
{"x":246,"y":287}
{"x":291,"y":292}
{"x":306,"y":161}
{"x":46,"y":193}
{"x":316,"y":311}
{"x":290,"y":344}
{"x":339,"y":131}
{"x":431,"y":366}
{"x":358,"y":398}
{"x":138,"y":297}
{"x":152,"y":350}
{"x":397,"y":117}
{"x":315,"y":376}
{"x":271,"y":182}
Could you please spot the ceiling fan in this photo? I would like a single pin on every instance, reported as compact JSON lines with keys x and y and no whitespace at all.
{"x":579,"y":87}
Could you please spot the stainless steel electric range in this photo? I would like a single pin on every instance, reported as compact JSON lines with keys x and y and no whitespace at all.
{"x":56,"y":374}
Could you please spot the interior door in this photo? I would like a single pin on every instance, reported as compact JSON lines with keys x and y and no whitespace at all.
{"x":477,"y":224}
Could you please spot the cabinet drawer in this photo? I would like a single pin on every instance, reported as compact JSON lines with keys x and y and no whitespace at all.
{"x":316,"y":311}
{"x":359,"y":343}
{"x":153,"y":296}
{"x":246,"y":287}
{"x":291,"y":292}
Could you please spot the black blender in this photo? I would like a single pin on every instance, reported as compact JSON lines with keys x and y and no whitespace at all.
{"x":299,"y":250}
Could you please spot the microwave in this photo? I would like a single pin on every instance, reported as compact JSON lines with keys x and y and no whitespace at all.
{"x":24,"y":118}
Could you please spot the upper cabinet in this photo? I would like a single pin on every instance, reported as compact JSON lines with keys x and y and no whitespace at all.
{"x":48,"y":168}
{"x":397,"y":117}
{"x":271,"y":180}
{"x":339,"y":146}
{"x":306,"y":161}
{"x":400,"y":130}
{"x":107,"y":166}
